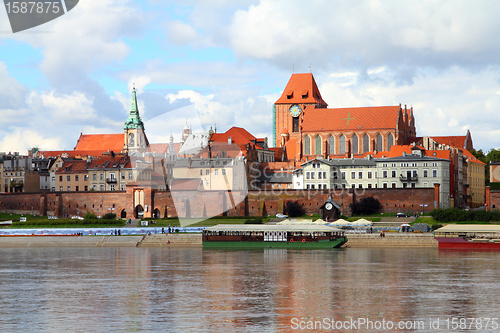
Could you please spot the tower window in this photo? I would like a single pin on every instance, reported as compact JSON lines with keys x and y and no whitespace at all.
{"x":295,"y":124}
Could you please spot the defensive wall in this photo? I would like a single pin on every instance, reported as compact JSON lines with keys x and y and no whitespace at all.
{"x":492,"y":199}
{"x":206,"y":204}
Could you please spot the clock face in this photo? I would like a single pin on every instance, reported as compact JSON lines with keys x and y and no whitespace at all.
{"x":496,"y":173}
{"x":328,"y":206}
{"x":295,"y":111}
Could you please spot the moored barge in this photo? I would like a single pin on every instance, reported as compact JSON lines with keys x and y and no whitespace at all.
{"x":468,"y":236}
{"x":301,"y":236}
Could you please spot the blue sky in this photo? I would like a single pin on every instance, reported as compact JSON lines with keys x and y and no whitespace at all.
{"x":230,"y":60}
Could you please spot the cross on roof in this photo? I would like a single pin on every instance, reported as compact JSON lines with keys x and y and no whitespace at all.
{"x":348,"y":118}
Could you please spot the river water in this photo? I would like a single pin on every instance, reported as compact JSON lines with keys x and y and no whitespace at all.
{"x":196,"y":290}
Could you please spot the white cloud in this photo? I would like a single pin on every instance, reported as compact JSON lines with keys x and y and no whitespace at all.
{"x":367,"y":33}
{"x":139,"y":82}
{"x":12,"y":92}
{"x":181,"y":33}
{"x":445,"y":103}
{"x":71,"y":108}
{"x":21,"y":139}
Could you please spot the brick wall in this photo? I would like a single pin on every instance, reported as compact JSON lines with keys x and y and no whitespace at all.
{"x":197,"y":204}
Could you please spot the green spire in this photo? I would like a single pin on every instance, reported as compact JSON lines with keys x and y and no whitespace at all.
{"x":134,"y":120}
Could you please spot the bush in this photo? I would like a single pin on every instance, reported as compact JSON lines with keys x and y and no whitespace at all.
{"x":109,"y":216}
{"x":89,"y":216}
{"x":293,"y":209}
{"x":365,"y":206}
{"x":458,"y":215}
{"x":436,"y":226}
{"x":257,"y":220}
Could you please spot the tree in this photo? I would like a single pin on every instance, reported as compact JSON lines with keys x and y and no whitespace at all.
{"x":365,"y":206}
{"x":293,"y":209}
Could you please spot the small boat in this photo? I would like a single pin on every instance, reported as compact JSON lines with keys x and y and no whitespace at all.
{"x":280,"y":236}
{"x":468,"y":236}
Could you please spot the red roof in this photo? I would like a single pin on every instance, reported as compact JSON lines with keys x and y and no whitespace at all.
{"x":291,"y":148}
{"x":322,"y":119}
{"x":100,"y":142}
{"x":398,"y":150}
{"x":471,"y":157}
{"x":162,"y":148}
{"x":301,"y":88}
{"x":111,"y":162}
{"x":238,"y":136}
{"x":69,"y":153}
{"x":278,"y":153}
{"x":73,"y":166}
{"x":452,"y":141}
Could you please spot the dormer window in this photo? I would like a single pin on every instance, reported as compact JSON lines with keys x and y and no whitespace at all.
{"x":305,"y":94}
{"x":290,"y":95}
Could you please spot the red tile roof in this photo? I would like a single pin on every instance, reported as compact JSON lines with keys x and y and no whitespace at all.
{"x":73,"y":166}
{"x":238,"y":136}
{"x":301,"y":88}
{"x":471,"y":157}
{"x":111,"y":162}
{"x":291,"y":148}
{"x":279,"y":153}
{"x":452,"y":141}
{"x":342,"y":119}
{"x":398,"y":150}
{"x":100,"y":142}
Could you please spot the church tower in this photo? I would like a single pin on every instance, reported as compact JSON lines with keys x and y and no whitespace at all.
{"x":134,"y":139}
{"x":301,"y":93}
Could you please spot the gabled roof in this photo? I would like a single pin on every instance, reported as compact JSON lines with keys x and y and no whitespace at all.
{"x":100,"y":142}
{"x":301,"y":88}
{"x":343,"y":119}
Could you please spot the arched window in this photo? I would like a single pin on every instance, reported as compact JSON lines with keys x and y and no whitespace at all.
{"x":390,"y":141}
{"x":366,"y":143}
{"x":131,"y":141}
{"x":331,"y":145}
{"x":355,"y":144}
{"x":342,"y":144}
{"x":378,"y":144}
{"x":307,"y":145}
{"x":317,"y":145}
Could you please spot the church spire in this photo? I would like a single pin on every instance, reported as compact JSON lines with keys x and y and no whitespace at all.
{"x":134,"y":119}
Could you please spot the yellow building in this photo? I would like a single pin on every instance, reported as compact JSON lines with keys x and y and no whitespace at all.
{"x":212,"y":174}
{"x":475,"y":180}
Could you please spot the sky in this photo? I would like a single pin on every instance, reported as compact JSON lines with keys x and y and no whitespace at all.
{"x":224,"y":63}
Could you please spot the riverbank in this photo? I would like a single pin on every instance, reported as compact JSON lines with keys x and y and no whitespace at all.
{"x":175,"y":240}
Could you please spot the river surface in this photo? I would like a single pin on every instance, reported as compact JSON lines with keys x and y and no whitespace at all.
{"x":196,"y":290}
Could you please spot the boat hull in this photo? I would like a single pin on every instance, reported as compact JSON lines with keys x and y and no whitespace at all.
{"x":459,"y":243}
{"x":322,"y":244}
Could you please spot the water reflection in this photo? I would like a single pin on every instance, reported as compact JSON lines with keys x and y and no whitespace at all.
{"x":196,"y":290}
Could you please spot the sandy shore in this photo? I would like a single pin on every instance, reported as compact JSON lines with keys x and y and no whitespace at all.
{"x":162,"y":240}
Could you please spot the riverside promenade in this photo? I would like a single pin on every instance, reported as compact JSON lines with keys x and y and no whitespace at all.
{"x":176,"y":240}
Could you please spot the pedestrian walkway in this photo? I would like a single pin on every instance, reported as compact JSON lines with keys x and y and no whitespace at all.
{"x":134,"y":223}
